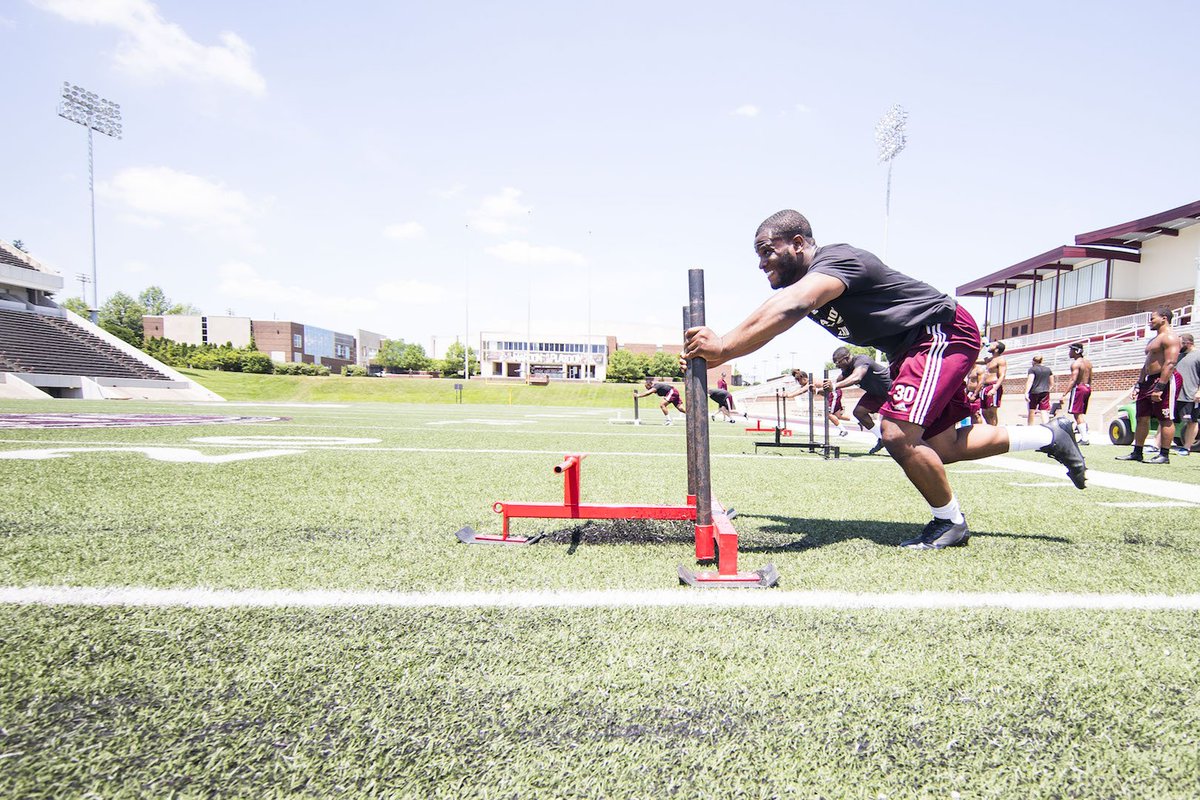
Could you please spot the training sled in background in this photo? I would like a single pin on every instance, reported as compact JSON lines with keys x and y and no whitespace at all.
{"x":715,"y":537}
{"x":781,"y":428}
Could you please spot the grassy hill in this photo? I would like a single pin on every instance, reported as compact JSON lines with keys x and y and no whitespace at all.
{"x":337,"y":389}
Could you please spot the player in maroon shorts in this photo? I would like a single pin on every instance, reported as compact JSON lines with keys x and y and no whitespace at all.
{"x":667,"y":392}
{"x":931,"y":343}
{"x":1079,"y":390}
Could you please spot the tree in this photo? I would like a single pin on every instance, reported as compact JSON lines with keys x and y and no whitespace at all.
{"x":413,"y":359}
{"x":17,"y":243}
{"x":627,"y":367}
{"x":158,"y":304}
{"x":665,"y":365}
{"x":76,"y":305}
{"x":452,"y":364}
{"x":123,"y":312}
{"x":397,"y":356}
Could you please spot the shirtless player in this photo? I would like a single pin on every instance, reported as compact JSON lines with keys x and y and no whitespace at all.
{"x":1156,"y":389}
{"x":1079,"y":390}
{"x":992,"y":390}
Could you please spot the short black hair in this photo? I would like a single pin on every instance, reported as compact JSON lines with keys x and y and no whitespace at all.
{"x":799,"y":373}
{"x":786,"y":224}
{"x":1076,"y":347}
{"x":841,"y":351}
{"x":1000,"y":346}
{"x":1164,"y":312}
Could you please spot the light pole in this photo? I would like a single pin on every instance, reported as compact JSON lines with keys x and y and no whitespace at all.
{"x":84,"y":279}
{"x":889,"y":135}
{"x":103,"y":116}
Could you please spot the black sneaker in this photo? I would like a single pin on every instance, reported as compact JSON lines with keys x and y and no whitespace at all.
{"x":939,"y":534}
{"x":1161,"y":458}
{"x":1064,"y":450}
{"x":1130,"y":457}
{"x":878,"y":446}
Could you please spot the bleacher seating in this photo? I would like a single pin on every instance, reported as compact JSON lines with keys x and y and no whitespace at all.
{"x":12,"y":260}
{"x":40,"y":344}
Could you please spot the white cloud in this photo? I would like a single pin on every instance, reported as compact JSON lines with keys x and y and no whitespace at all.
{"x":243,"y":281}
{"x":747,"y":110}
{"x":449,"y":193}
{"x":404,"y":230}
{"x":135,"y":267}
{"x":516,"y":252}
{"x":154,"y":193}
{"x":501,"y":213}
{"x":152,"y":48}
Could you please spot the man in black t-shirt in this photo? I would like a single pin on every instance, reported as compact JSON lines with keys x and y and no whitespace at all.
{"x":931,"y":343}
{"x":875,"y":381}
{"x":1037,"y":389}
{"x":667,"y":392}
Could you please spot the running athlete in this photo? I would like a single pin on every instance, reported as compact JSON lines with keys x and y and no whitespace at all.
{"x":667,"y":392}
{"x":1156,"y":389}
{"x":724,"y":401}
{"x":1079,"y":391}
{"x":931,"y":343}
{"x":833,"y":400}
{"x":875,"y":381}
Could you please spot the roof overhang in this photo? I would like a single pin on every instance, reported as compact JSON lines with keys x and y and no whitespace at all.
{"x":1132,"y":234}
{"x":1052,"y":262}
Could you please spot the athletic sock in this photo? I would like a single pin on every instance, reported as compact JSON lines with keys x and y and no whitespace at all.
{"x":950,"y":511}
{"x":1028,"y":437}
{"x":1083,"y":432}
{"x":1137,"y":451}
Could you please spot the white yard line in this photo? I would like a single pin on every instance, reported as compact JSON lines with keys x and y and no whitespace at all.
{"x":1155,"y":487}
{"x":144,"y":597}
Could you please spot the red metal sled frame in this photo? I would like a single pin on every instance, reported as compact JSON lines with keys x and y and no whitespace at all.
{"x":716,"y":541}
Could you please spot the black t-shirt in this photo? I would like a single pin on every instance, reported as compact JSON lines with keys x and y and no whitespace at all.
{"x":876,"y":380}
{"x":881,"y":307}
{"x":663,"y":389}
{"x":1041,"y":378}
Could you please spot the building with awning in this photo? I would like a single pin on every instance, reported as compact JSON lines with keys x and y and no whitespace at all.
{"x":1107,"y":275}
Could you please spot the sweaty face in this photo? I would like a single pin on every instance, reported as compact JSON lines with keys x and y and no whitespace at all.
{"x":779,"y":259}
{"x":842,"y":362}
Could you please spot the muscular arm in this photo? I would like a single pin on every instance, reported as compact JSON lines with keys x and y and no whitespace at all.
{"x":1170,"y":359}
{"x":1001,"y":371}
{"x":1076,"y":371}
{"x":780,"y":312}
{"x":853,"y":379}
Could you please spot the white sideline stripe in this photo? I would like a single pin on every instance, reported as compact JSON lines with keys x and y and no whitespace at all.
{"x":1045,"y":485}
{"x":1171,"y":490}
{"x":653,"y":598}
{"x":1149,"y":504}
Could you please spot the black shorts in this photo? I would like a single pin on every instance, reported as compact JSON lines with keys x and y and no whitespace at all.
{"x":1186,"y":411}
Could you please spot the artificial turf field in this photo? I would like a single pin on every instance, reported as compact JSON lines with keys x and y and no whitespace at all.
{"x":416,"y":690}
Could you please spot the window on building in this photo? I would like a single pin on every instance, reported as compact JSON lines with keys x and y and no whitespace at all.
{"x":297,"y":340}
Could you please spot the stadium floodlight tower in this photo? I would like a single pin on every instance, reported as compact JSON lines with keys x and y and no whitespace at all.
{"x":889,"y":135}
{"x":96,"y":114}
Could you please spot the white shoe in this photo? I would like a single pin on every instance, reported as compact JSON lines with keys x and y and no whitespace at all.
{"x":668,"y":422}
{"x":843,"y":433}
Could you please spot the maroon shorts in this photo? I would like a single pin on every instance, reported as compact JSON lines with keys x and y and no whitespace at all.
{"x":975,"y":405}
{"x":1162,"y":409}
{"x":927,"y":379}
{"x":991,"y":395}
{"x":1077,"y":400}
{"x":871,"y":402}
{"x":672,"y":397}
{"x":1039,"y":401}
{"x":834,"y":401}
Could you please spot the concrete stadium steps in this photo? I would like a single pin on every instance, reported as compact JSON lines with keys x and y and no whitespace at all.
{"x":34,"y":343}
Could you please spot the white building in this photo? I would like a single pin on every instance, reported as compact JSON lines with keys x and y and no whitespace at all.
{"x":512,"y":355}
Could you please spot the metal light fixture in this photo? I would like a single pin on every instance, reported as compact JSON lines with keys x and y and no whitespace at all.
{"x":889,"y":135}
{"x":96,"y":114}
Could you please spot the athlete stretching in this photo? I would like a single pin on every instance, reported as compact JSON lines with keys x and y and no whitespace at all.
{"x":931,"y":343}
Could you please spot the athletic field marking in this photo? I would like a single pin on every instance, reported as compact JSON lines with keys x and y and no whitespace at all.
{"x":500,"y":422}
{"x":1045,"y":485}
{"x":76,"y":420}
{"x":1149,"y":504}
{"x":1155,"y":487}
{"x":979,"y":471}
{"x":281,"y":441}
{"x":176,"y":455}
{"x":146,"y":597}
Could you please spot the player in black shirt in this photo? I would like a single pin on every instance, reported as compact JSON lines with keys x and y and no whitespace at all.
{"x":931,"y":343}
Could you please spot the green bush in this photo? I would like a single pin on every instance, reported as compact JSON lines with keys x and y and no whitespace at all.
{"x":354,"y":371}
{"x":257,"y":363}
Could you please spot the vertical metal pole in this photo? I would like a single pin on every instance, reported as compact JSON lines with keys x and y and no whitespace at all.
{"x":690,"y":418}
{"x":812,"y":409}
{"x":697,"y":399}
{"x":636,"y":421}
{"x":828,"y":411}
{"x":92,"y":189}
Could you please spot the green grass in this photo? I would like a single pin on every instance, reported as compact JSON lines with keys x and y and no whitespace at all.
{"x":337,"y":389}
{"x":642,"y":702}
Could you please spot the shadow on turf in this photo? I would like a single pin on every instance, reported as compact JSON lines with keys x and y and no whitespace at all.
{"x":814,"y":533}
{"x":820,"y":532}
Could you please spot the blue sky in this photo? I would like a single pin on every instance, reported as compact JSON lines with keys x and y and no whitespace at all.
{"x":401,"y":167}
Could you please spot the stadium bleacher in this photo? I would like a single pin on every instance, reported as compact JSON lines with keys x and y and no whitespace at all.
{"x":45,"y":345}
